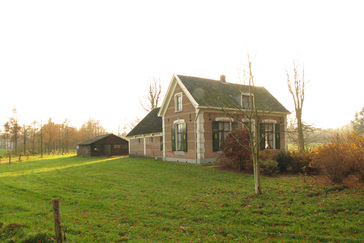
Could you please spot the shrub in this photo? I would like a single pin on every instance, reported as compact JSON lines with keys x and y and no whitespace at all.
{"x":284,"y":160}
{"x":225,"y":162}
{"x":268,"y":154}
{"x":268,"y":167}
{"x":249,"y":164}
{"x":236,"y":150}
{"x":301,"y":162}
{"x":356,"y":151}
{"x":334,"y":159}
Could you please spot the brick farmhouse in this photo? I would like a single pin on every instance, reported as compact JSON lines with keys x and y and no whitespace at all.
{"x":198,"y":113}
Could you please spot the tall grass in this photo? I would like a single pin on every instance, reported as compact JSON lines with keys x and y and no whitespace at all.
{"x":117,"y":199}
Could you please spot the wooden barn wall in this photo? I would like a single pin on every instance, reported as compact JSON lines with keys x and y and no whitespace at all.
{"x":118,"y":146}
{"x":84,"y":150}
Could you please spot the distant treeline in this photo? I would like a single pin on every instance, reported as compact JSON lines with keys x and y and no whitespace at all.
{"x":46,"y":138}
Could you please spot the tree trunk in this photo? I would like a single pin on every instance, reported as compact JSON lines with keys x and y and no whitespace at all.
{"x":258,"y":189}
{"x":301,"y":144}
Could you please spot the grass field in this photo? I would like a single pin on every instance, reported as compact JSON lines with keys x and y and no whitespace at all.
{"x":120,"y":199}
{"x":3,"y":151}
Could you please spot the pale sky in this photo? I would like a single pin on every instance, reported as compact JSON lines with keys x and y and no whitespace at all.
{"x":94,"y":59}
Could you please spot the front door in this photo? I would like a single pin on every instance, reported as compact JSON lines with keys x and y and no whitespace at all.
{"x":107,"y":150}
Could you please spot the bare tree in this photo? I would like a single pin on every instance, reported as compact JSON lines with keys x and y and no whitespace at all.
{"x":90,"y":129}
{"x":358,"y":122}
{"x":151,"y":100}
{"x":13,"y":128}
{"x":41,"y":139}
{"x":297,"y":90}
{"x":24,"y":132}
{"x":252,"y":117}
{"x":311,"y":134}
{"x":132,"y":124}
{"x":33,"y":137}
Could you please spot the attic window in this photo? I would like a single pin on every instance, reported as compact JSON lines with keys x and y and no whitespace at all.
{"x":178,"y":102}
{"x":246,"y":101}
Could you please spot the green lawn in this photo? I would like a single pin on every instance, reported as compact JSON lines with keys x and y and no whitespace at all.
{"x":3,"y":151}
{"x":119,"y":199}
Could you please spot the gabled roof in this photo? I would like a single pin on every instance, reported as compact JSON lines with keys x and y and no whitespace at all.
{"x":150,"y":124}
{"x":98,"y":138}
{"x":210,"y":93}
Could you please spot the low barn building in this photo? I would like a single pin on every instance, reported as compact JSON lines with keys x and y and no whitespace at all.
{"x":146,"y":139}
{"x":105,"y":145}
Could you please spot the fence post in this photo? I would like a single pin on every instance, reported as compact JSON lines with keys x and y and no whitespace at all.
{"x":57,"y":220}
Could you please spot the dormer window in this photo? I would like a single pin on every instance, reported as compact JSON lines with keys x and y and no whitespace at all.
{"x":178,"y":102}
{"x":246,"y":101}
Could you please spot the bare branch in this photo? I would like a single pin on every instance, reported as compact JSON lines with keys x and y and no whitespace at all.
{"x":151,"y":100}
{"x":297,"y":90}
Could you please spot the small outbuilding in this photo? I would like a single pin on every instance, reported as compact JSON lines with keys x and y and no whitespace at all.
{"x":105,"y":145}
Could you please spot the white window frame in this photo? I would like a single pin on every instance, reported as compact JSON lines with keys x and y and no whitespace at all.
{"x":273,"y":122}
{"x":178,"y":107}
{"x":247,"y":120}
{"x":225,"y":120}
{"x":252,"y":101}
{"x":176,"y":123}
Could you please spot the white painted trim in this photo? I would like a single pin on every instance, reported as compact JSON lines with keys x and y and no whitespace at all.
{"x":147,"y":135}
{"x":200,"y":136}
{"x":269,"y":121}
{"x":218,"y":109}
{"x":252,"y":123}
{"x":145,"y":147}
{"x":223,"y":119}
{"x":187,"y":93}
{"x":246,"y":94}
{"x":175,"y":102}
{"x":128,"y":146}
{"x":164,"y":137}
{"x":171,"y":88}
{"x":168,"y":96}
{"x":178,"y":121}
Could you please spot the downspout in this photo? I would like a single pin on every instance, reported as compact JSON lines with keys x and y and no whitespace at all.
{"x":196,"y":142}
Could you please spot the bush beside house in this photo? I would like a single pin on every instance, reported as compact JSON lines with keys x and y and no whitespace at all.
{"x":344,"y":155}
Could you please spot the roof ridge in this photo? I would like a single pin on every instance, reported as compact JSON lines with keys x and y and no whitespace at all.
{"x":217,"y":80}
{"x":215,"y":93}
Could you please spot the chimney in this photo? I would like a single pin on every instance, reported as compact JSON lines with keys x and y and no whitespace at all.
{"x":222,"y":79}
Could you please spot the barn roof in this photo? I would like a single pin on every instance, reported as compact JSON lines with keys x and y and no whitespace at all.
{"x":98,"y":138}
{"x":150,"y":124}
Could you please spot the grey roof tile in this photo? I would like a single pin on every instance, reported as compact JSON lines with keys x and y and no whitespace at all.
{"x":150,"y":124}
{"x":214,"y":93}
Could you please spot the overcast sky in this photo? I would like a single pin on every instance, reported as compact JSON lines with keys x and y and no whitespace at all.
{"x":94,"y":59}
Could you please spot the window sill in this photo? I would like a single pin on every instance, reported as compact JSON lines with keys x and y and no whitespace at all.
{"x":179,"y":153}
